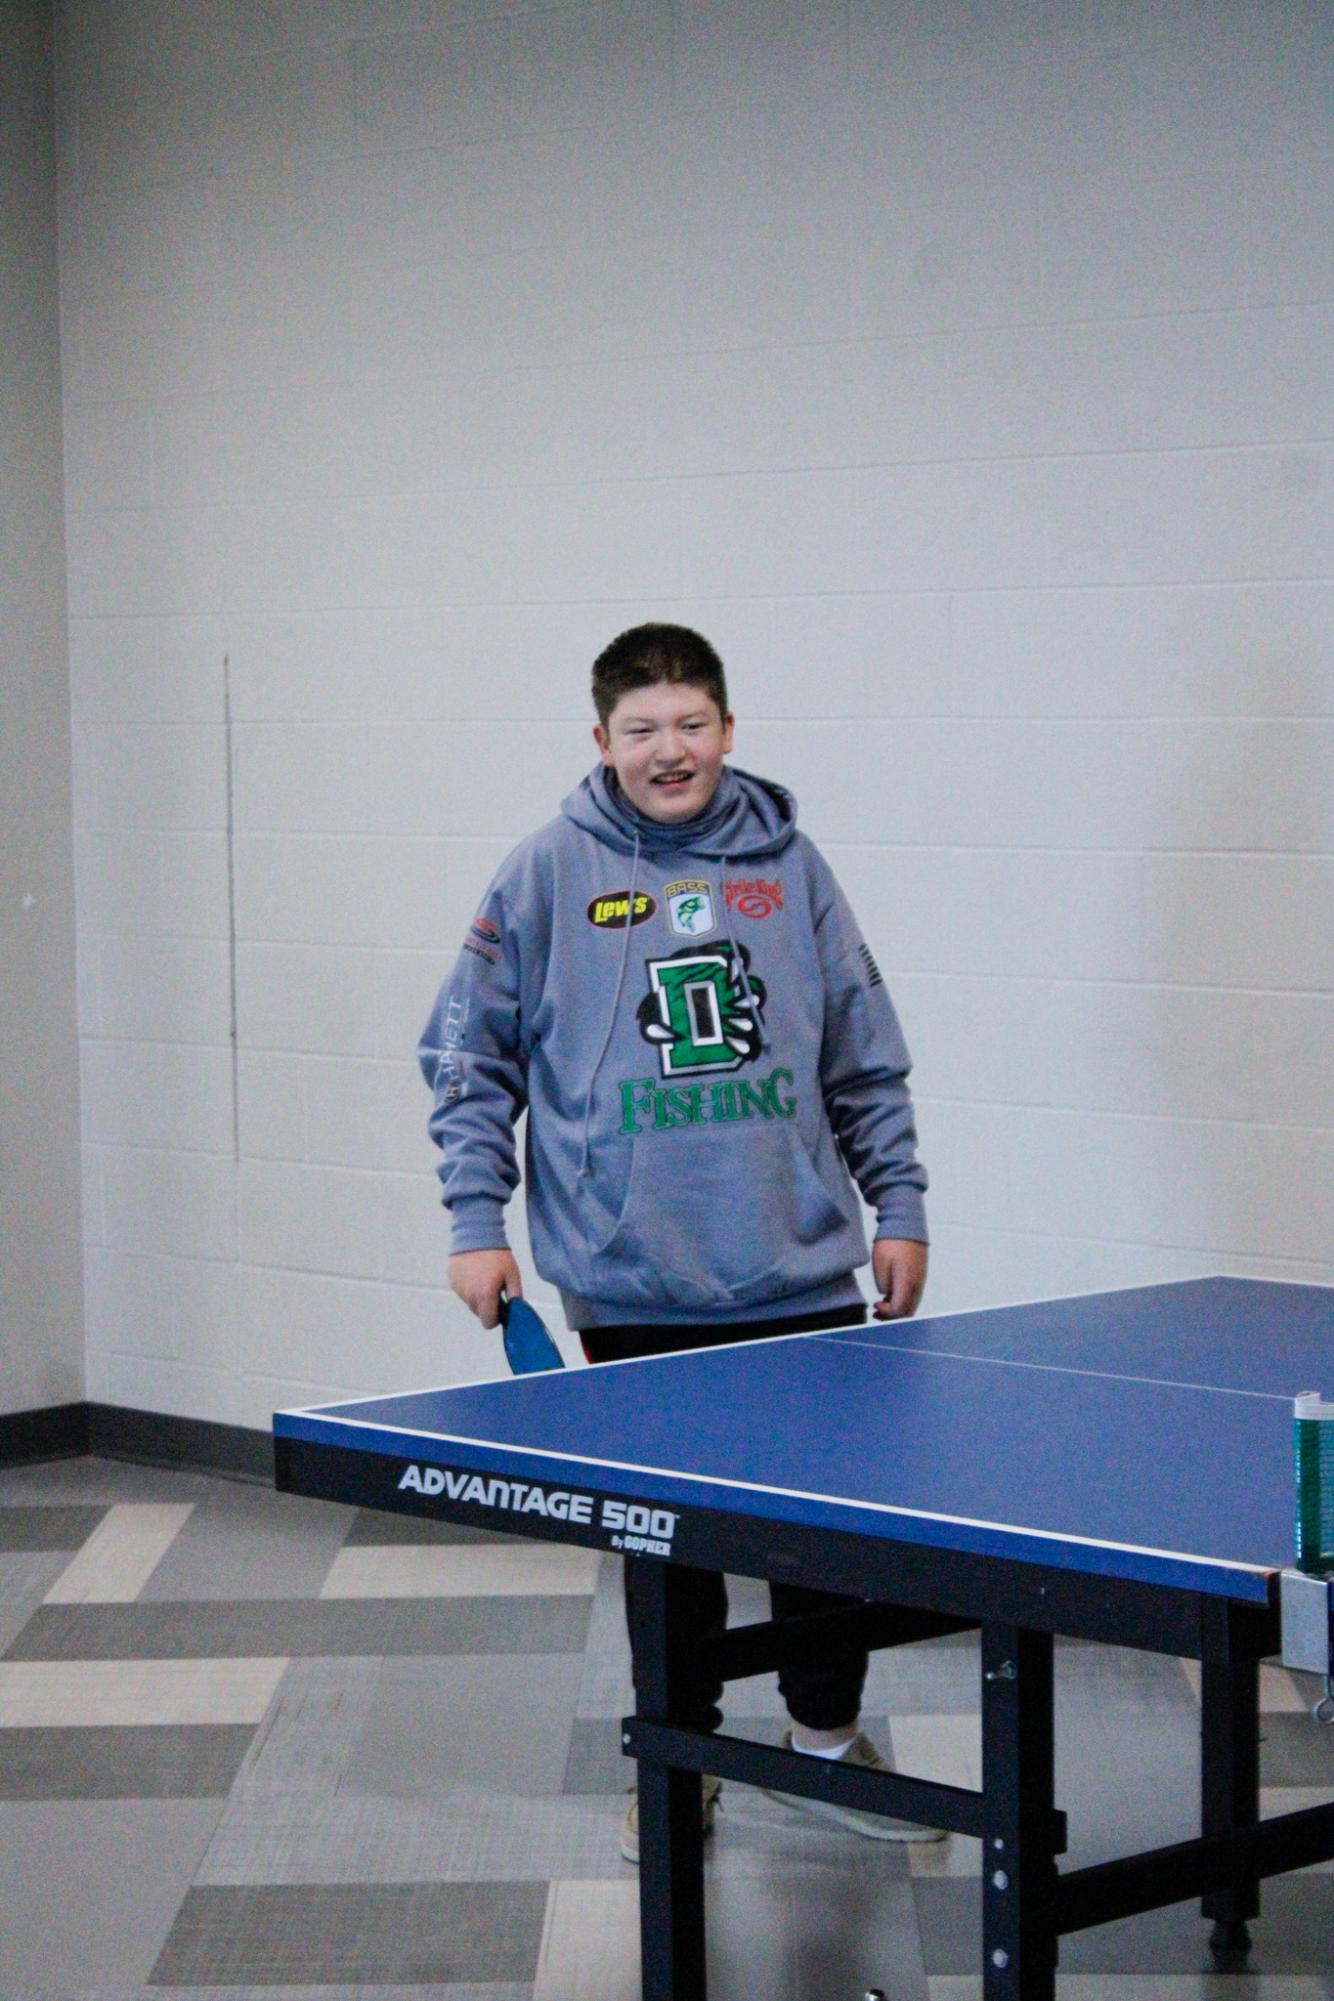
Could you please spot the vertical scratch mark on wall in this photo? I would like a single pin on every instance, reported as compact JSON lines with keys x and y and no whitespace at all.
{"x":231,"y":903}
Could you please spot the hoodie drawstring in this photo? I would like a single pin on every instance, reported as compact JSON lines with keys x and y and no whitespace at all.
{"x":584,"y":1163}
{"x":736,"y":958}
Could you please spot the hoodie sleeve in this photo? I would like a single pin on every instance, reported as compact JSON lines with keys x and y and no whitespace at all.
{"x":474,"y":1056}
{"x":864,"y":1065}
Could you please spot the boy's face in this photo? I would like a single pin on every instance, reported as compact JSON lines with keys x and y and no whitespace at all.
{"x":666,"y":743}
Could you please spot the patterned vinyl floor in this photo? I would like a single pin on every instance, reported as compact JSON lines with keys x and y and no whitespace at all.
{"x":251,"y":1745}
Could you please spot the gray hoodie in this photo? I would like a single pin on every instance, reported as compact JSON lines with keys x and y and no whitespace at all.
{"x":704,"y":1047}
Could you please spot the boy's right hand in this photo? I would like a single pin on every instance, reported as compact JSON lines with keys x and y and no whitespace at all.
{"x":482,"y":1278}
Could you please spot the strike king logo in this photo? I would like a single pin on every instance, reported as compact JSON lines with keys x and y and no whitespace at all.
{"x":752,"y":896}
{"x":690,"y":908}
{"x":611,"y":911}
{"x":703,"y":1010}
{"x":628,"y":1525}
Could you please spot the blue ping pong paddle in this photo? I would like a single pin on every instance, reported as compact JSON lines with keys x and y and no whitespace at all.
{"x":529,"y":1348}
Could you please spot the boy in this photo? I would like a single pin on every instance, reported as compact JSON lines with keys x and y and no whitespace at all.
{"x":669,"y":979}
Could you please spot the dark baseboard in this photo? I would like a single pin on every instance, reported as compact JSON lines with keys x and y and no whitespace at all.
{"x":60,"y":1432}
{"x":147,"y":1437}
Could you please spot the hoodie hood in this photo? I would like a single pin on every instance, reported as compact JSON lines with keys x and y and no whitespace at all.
{"x":747,"y":817}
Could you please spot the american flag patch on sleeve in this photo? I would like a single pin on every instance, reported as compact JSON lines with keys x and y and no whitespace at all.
{"x":873,"y":978}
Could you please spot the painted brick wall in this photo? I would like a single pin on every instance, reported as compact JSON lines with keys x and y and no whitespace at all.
{"x":41,"y":1256}
{"x":962,"y":370}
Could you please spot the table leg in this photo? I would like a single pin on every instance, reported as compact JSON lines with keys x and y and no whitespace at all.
{"x":671,"y":1837}
{"x":1019,"y":1940}
{"x":1230,"y":1783}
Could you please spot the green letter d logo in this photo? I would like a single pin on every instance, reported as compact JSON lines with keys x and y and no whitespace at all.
{"x":694,"y":996}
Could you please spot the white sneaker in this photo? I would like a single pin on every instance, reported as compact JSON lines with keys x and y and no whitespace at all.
{"x":874,"y":1826}
{"x":711,"y":1788}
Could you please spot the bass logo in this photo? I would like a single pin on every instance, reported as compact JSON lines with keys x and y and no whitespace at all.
{"x":690,"y":908}
{"x":611,"y":911}
{"x":703,"y":1010}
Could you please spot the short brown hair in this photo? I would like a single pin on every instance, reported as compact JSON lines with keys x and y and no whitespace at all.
{"x":648,"y":654}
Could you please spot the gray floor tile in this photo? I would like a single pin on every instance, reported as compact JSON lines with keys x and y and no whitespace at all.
{"x":123,"y":1694}
{"x":590,"y":1948}
{"x":1126,"y":1786}
{"x":526,"y":1569}
{"x":803,"y":1933}
{"x":312,"y":1726}
{"x":277,"y":1837}
{"x":476,"y":1724}
{"x":1296,"y":1751}
{"x":1293,"y":1936}
{"x":1154,"y":1987}
{"x":54,"y":1527}
{"x":606,"y":1688}
{"x":747,"y":1600}
{"x":25,"y":1579}
{"x":454,"y":1990}
{"x":536,"y":1626}
{"x":27,"y":1575}
{"x":596,"y":1763}
{"x":120,"y":1556}
{"x":273,"y":1837}
{"x":347,"y":1933}
{"x":809,"y":1930}
{"x":489,"y":1990}
{"x":100,"y":1482}
{"x":1122,"y":1682}
{"x":91,"y":1890}
{"x":250,"y":1544}
{"x":937,"y":1678}
{"x":157,"y":1761}
{"x":370,"y":1526}
{"x":302,"y":1626}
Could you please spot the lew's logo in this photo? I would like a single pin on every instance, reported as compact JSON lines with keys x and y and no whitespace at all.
{"x":629,"y":1525}
{"x":610,"y":912}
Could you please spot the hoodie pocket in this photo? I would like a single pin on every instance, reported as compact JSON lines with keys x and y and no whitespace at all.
{"x":714,"y":1217}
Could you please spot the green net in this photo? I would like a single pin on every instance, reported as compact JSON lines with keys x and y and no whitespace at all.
{"x":1313,"y":1434}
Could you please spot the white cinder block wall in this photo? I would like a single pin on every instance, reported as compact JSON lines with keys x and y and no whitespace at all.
{"x":962,"y":370}
{"x":41,"y":1257}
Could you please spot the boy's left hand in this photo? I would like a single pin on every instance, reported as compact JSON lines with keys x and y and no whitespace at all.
{"x":899,"y":1265}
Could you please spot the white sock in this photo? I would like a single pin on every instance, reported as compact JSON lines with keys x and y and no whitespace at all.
{"x":825,"y":1750}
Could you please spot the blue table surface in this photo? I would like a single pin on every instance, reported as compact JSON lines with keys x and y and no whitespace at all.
{"x":1143,"y":1433}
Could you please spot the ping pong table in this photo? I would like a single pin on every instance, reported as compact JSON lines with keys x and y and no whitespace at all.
{"x":1115,"y":1468}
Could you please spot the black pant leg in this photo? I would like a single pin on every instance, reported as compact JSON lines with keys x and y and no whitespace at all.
{"x":710,"y":1616}
{"x":827,"y":1694}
